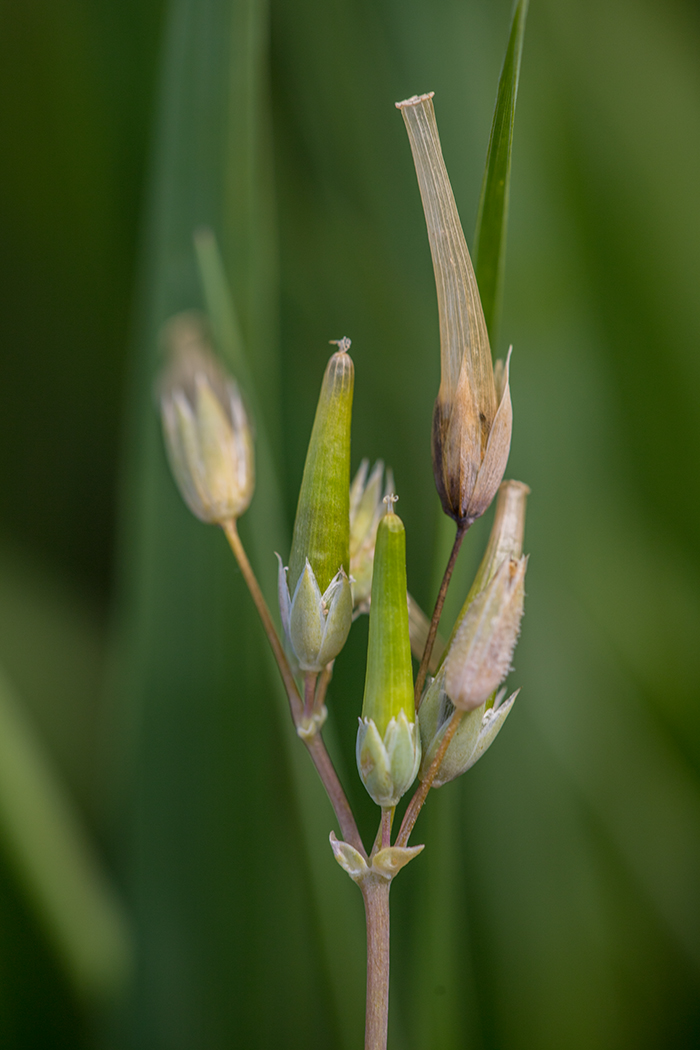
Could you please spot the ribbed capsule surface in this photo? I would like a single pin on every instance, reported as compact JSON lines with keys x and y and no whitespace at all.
{"x":472,"y":418}
{"x":322,"y":523}
{"x":389,"y":678}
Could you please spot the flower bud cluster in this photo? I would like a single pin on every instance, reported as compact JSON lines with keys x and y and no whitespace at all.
{"x":348,"y":551}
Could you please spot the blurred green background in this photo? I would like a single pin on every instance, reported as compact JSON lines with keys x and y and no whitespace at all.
{"x":165,"y":878}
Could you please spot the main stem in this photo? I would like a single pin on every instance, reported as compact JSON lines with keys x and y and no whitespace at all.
{"x":314,"y":744}
{"x":437,"y":611}
{"x":375,"y":893}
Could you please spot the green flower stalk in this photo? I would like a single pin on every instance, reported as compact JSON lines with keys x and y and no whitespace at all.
{"x":366,"y":509}
{"x":388,"y":742}
{"x":473,"y":416}
{"x":480,"y":650}
{"x":207,"y":435}
{"x":314,"y":591}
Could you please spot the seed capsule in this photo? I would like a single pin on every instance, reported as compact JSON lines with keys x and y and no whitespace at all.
{"x":472,"y":418}
{"x":479,"y":657}
{"x":314,"y":592}
{"x":480,"y":650}
{"x":388,"y":742}
{"x":322,"y":524}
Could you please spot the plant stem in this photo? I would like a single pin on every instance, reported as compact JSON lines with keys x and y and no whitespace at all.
{"x":256,"y":594}
{"x":334,"y":789}
{"x":375,"y":893}
{"x":323,"y":682}
{"x":314,"y":744}
{"x":416,"y":803}
{"x":310,"y":678}
{"x":437,"y":611}
{"x":387,"y":820}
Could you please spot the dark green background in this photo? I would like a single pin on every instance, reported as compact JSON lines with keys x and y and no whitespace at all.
{"x":557,"y":904}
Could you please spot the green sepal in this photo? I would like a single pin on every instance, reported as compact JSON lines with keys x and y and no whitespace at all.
{"x":316,"y":625}
{"x":322,"y":524}
{"x":388,"y":765}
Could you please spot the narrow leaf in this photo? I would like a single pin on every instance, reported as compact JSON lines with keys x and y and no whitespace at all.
{"x":492,"y":218}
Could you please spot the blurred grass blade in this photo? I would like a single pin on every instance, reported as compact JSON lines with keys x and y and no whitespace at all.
{"x":222,"y":312}
{"x":220,"y":825}
{"x":492,"y":217}
{"x":50,"y":851}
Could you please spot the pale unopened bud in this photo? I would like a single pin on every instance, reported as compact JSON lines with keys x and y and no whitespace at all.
{"x":482,"y":647}
{"x":472,"y":418}
{"x":207,"y":435}
{"x":366,"y":509}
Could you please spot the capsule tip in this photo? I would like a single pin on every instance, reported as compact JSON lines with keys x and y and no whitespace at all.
{"x":343,"y":344}
{"x":390,"y":500}
{"x":415,"y":100}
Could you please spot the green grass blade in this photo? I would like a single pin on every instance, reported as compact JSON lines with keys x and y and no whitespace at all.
{"x":51,"y":853}
{"x":492,"y":217}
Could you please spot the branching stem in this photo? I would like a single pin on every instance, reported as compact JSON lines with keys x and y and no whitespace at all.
{"x":310,"y":678}
{"x":416,"y":803}
{"x":322,"y":687}
{"x":387,"y":821}
{"x":437,"y":611}
{"x":314,"y":744}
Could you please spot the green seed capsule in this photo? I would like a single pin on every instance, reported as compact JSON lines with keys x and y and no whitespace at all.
{"x":314,"y":592}
{"x":322,"y":525}
{"x":389,"y":679}
{"x":388,"y":743}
